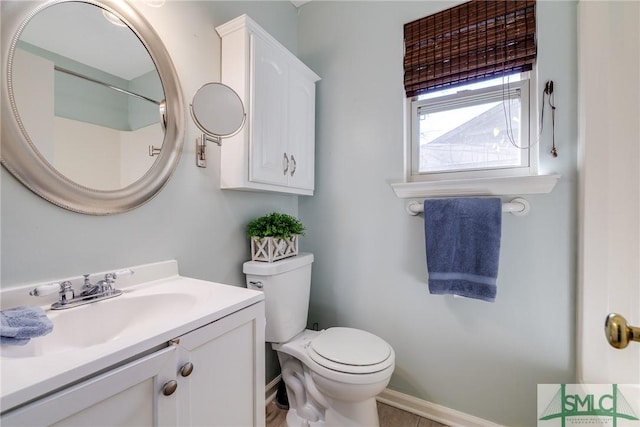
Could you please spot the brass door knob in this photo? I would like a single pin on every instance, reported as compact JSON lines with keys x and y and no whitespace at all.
{"x":169,"y":387}
{"x":618,"y":331}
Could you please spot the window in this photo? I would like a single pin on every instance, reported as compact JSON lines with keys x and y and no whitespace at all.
{"x":475,"y":127}
{"x":467,"y":80}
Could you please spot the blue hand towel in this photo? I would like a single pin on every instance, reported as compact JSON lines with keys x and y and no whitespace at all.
{"x":19,"y":324}
{"x":462,"y":237}
{"x":13,"y":341}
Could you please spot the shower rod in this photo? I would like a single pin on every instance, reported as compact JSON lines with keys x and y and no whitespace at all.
{"x":91,"y":79}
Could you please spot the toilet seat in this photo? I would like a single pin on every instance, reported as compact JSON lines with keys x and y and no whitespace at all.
{"x":349,"y":350}
{"x":300,"y":348}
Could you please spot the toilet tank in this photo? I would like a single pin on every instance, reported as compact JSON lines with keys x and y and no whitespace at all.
{"x":286,"y":285}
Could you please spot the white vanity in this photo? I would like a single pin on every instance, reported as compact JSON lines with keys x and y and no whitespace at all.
{"x":170,"y":351}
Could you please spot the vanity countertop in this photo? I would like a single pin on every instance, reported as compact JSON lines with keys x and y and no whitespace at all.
{"x":157,"y":306}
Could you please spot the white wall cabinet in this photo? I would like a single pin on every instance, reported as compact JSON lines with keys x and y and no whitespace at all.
{"x":275,"y":150}
{"x":225,"y":386}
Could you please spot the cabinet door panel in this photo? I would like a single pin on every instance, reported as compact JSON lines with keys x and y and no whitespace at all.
{"x":268,"y":113}
{"x":137,"y":411}
{"x":302,"y":94}
{"x":125,"y":396}
{"x":226,"y":387}
{"x":222,"y":382}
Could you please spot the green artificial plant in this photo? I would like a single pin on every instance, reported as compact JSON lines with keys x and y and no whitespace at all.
{"x":275,"y":225}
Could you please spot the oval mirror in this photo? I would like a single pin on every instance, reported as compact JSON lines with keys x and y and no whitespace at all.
{"x":217,"y":110}
{"x":86,"y":85}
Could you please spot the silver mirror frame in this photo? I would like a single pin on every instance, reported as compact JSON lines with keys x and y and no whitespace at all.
{"x":23,"y":160}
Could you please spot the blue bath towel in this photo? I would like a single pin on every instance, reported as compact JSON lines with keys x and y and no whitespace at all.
{"x":462,"y":237}
{"x":18,"y":325}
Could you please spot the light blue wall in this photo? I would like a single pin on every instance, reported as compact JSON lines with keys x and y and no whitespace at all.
{"x":369,"y":272}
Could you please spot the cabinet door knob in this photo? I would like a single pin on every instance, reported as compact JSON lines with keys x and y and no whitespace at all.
{"x":295,"y":164}
{"x":285,"y":164}
{"x":169,"y":387}
{"x":186,"y":369}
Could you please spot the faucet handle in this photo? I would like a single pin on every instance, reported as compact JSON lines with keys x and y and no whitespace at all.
{"x":63,"y":290}
{"x":110,"y":278}
{"x":123,"y":273}
{"x":66,"y":287}
{"x":43,"y":290}
{"x":108,"y":282}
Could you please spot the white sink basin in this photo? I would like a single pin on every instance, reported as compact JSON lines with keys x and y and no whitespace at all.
{"x":99,"y":322}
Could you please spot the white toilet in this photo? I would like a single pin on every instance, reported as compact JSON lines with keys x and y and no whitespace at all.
{"x":332,"y":376}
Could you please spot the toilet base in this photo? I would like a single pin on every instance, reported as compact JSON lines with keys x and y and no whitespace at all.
{"x":353,"y":414}
{"x":294,"y":420}
{"x":359,"y":415}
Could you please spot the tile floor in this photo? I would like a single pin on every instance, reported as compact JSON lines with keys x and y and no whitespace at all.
{"x":389,"y":417}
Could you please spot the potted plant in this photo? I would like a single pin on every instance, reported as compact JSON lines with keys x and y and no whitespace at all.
{"x":274,"y":236}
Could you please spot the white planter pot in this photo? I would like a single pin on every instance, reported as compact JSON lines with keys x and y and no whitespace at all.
{"x":270,"y":249}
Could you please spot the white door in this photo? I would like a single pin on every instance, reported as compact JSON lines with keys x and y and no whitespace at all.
{"x":609,"y":172}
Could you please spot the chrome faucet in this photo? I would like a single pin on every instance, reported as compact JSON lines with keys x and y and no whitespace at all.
{"x":88,"y":289}
{"x":65,"y":289}
{"x":103,"y":289}
{"x":107,"y":283}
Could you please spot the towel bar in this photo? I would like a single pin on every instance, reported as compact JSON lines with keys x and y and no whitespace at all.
{"x":517,"y":206}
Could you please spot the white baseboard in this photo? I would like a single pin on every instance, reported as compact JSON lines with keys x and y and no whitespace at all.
{"x":271,"y":389}
{"x":432,"y":411}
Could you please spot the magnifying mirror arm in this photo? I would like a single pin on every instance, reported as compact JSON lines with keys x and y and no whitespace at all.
{"x":201,"y":148}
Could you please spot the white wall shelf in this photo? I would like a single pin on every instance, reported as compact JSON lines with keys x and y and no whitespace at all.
{"x":502,"y":186}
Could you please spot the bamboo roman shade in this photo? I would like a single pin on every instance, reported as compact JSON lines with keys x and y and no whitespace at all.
{"x":473,"y":41}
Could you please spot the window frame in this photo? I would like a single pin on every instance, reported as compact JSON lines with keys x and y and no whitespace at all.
{"x":529,"y":136}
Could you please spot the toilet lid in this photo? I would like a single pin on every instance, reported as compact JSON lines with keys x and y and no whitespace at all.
{"x":336,"y":347}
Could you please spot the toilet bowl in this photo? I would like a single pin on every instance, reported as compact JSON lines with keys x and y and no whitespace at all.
{"x":332,"y":376}
{"x":342,"y":370}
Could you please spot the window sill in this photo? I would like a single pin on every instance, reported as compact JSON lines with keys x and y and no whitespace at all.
{"x":501,"y":186}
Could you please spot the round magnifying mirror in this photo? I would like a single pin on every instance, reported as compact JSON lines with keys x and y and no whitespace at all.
{"x":217,"y":110}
